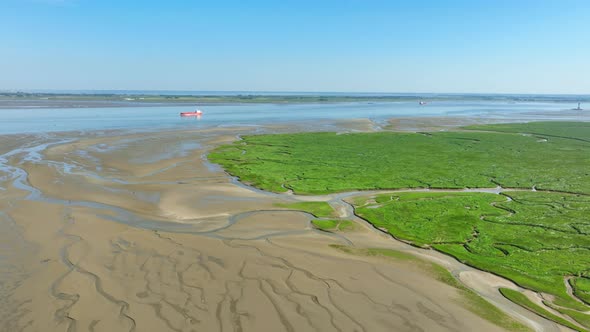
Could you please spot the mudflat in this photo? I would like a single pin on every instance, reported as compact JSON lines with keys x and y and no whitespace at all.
{"x":139,"y":232}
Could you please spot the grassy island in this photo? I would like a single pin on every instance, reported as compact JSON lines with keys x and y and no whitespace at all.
{"x":537,"y":236}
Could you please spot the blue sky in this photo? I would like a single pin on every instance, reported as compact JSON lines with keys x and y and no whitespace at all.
{"x":482,"y":46}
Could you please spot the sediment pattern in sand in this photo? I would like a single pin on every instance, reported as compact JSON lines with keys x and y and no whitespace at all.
{"x":138,"y":232}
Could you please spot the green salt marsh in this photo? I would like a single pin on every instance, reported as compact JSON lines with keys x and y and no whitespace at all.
{"x":319,"y":163}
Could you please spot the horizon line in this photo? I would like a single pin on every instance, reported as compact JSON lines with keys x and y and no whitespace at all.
{"x":292,"y":92}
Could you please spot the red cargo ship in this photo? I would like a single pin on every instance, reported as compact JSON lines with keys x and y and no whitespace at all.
{"x":195,"y":113}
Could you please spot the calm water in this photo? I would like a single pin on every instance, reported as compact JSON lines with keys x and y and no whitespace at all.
{"x":148,"y":118}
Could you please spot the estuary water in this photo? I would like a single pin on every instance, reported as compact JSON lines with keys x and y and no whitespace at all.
{"x":39,"y":120}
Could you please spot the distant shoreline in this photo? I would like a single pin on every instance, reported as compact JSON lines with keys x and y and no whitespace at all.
{"x":32,"y":100}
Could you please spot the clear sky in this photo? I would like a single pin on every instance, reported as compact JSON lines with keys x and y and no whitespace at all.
{"x":495,"y":46}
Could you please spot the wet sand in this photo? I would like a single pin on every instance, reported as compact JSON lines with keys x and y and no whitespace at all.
{"x":138,"y":232}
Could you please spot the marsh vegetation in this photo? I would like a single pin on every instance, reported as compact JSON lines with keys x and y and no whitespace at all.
{"x":319,"y":163}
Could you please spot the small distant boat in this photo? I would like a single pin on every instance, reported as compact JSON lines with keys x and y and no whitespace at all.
{"x":579,"y":108}
{"x":422,"y":103}
{"x":195,"y":113}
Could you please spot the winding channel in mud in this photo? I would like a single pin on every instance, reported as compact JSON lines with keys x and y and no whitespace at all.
{"x":138,"y":232}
